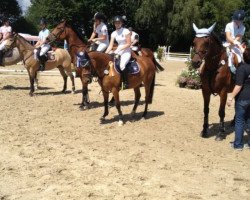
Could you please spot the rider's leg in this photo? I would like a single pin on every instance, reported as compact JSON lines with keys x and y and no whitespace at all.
{"x":44,"y":49}
{"x":125,"y":57}
{"x":101,"y":47}
{"x":2,"y":48}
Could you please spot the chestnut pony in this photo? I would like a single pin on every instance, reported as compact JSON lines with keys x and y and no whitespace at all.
{"x":215,"y":74}
{"x":63,"y":31}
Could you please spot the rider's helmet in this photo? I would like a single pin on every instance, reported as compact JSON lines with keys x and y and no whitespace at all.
{"x":43,"y":21}
{"x":239,"y":15}
{"x":5,"y":19}
{"x":118,"y":18}
{"x":99,"y":16}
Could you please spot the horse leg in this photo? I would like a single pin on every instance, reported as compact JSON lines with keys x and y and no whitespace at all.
{"x":206,"y":98}
{"x":111,"y":102}
{"x":36,"y":81}
{"x":85,"y":99}
{"x":72,"y":81}
{"x":115,"y":92}
{"x":223,"y":99}
{"x":32,"y":81}
{"x":65,"y":78}
{"x":137,"y":99}
{"x":106,"y":104}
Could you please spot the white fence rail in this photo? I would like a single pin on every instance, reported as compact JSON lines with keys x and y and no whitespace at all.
{"x":175,"y":56}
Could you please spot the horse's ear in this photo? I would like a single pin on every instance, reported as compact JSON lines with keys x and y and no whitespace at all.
{"x":195,"y":28}
{"x":212,"y":28}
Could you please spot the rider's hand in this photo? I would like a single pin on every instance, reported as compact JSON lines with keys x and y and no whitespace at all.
{"x":229,"y":101}
{"x":90,"y":40}
{"x":236,"y":42}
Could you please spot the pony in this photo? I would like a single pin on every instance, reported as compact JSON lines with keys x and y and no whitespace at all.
{"x":62,"y":61}
{"x":211,"y":57}
{"x":101,"y":65}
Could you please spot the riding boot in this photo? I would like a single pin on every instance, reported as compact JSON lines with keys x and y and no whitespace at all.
{"x":43,"y":60}
{"x":1,"y":58}
{"x":124,"y":79}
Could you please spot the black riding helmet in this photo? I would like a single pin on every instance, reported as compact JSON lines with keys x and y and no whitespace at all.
{"x":43,"y":21}
{"x":118,"y":18}
{"x":239,"y":15}
{"x":99,"y":16}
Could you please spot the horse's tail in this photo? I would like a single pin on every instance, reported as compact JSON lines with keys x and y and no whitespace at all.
{"x":151,"y":92}
{"x":158,"y":66}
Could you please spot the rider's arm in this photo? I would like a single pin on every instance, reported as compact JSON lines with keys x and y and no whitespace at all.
{"x":230,"y":39}
{"x":136,"y":40}
{"x":93,"y":35}
{"x":111,"y":44}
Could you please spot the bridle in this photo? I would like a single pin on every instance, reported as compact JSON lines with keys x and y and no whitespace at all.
{"x":203,"y":54}
{"x":56,"y":36}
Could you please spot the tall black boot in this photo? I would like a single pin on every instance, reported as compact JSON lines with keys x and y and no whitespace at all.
{"x":43,"y":60}
{"x":1,"y":58}
{"x":125,"y":84}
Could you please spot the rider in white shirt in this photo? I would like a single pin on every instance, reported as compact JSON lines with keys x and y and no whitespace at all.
{"x":134,"y":39}
{"x":100,"y":33}
{"x":123,"y":38}
{"x":5,"y":31}
{"x":235,"y":30}
{"x":41,"y":46}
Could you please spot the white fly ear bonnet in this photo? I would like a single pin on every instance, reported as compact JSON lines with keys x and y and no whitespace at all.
{"x":204,"y":31}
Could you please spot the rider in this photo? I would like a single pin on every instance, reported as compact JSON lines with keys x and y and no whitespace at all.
{"x":100,"y":33}
{"x":235,"y":30}
{"x":134,"y":39}
{"x":41,"y":46}
{"x":5,"y":30}
{"x":123,"y":38}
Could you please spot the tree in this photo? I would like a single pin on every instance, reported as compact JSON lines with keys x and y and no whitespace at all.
{"x":10,"y":9}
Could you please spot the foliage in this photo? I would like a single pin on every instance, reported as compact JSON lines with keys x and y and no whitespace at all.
{"x":189,"y":78}
{"x":158,"y":22}
{"x":160,"y":53}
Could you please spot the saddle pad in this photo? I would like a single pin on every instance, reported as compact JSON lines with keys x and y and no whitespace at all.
{"x":8,"y":53}
{"x":82,"y":60}
{"x":132,"y":67}
{"x":51,"y":55}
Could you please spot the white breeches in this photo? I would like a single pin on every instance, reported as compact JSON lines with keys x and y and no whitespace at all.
{"x":2,"y":45}
{"x":234,"y":50}
{"x":44,"y":49}
{"x":102,"y":47}
{"x":125,"y":58}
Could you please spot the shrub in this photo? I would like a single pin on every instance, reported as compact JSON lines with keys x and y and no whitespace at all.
{"x":160,"y":53}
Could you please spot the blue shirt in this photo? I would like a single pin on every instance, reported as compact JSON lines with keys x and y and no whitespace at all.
{"x":43,"y":34}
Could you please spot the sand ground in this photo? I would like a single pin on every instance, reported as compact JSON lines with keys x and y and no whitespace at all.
{"x":50,"y":150}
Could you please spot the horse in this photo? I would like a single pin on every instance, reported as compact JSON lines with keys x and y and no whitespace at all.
{"x":63,"y":31}
{"x":101,"y":65}
{"x":62,"y":61}
{"x":211,"y":57}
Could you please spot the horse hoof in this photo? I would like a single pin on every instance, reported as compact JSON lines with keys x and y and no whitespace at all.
{"x":218,"y":138}
{"x":204,"y":134}
{"x":31,"y":94}
{"x":120,"y":123}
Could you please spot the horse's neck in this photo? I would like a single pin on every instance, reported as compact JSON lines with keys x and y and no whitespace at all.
{"x":24,"y":47}
{"x":214,"y":54}
{"x":73,"y":40}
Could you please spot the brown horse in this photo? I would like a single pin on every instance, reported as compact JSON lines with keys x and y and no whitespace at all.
{"x":64,"y":31}
{"x":62,"y":62}
{"x":215,"y":74}
{"x":101,"y":63}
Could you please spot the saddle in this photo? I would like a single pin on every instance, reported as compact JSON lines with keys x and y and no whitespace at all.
{"x":132,"y":67}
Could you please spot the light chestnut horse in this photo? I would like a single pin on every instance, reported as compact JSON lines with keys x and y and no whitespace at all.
{"x":62,"y":61}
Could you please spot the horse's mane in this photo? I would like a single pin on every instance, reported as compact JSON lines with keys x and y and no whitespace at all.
{"x":217,"y":39}
{"x":76,"y":32}
{"x":26,"y":41}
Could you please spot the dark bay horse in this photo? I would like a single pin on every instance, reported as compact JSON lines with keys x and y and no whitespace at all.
{"x":110,"y":82}
{"x":215,"y":74}
{"x":63,"y":31}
